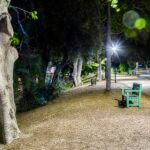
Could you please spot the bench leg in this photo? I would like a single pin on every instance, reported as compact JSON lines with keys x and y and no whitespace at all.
{"x":127,"y":103}
{"x":139,"y":103}
{"x":123,"y":98}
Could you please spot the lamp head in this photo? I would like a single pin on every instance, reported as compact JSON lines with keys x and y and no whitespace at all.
{"x":115,"y":47}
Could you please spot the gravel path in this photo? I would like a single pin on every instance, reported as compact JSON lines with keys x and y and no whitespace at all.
{"x":86,"y":118}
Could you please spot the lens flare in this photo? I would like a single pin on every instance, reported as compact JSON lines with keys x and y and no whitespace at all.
{"x":114,"y":47}
{"x":129,"y":18}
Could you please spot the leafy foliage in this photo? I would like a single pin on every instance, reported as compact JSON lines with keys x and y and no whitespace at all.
{"x":90,"y":67}
{"x":58,"y":87}
{"x":122,"y":68}
{"x":117,"y":9}
{"x":34,"y":15}
{"x":15,"y":41}
{"x":140,"y":23}
{"x":32,"y":82}
{"x":130,"y":33}
{"x":114,"y":3}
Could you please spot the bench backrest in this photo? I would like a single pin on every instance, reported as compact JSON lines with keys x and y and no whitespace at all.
{"x":137,"y":86}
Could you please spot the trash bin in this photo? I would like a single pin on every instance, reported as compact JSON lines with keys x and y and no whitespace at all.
{"x":130,"y":72}
{"x":93,"y":81}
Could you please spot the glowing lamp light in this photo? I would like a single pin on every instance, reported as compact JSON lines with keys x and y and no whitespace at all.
{"x":114,"y":48}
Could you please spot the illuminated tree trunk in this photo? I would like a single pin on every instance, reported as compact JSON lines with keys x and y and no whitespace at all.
{"x":8,"y":55}
{"x":108,"y":51}
{"x":99,"y":71}
{"x":80,"y":64}
{"x":77,"y":70}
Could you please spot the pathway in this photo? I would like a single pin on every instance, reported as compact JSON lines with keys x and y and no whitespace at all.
{"x":85,"y":118}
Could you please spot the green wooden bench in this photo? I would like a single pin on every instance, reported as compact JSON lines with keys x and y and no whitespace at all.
{"x":133,"y":96}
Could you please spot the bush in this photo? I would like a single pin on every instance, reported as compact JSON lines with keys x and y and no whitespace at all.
{"x":122,"y":68}
{"x":90,"y":67}
{"x":32,"y":81}
{"x":57,"y":88}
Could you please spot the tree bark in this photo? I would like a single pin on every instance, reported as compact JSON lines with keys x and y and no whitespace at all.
{"x":108,"y":50}
{"x":77,"y":69}
{"x":8,"y":55}
{"x":59,"y":69}
{"x":75,"y":72}
{"x":99,"y":71}
{"x":80,"y":64}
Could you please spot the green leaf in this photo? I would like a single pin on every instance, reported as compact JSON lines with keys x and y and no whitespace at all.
{"x":130,"y":33}
{"x":140,"y":24}
{"x":34,"y":15}
{"x":95,"y":64}
{"x":117,"y":9}
{"x":15,"y":41}
{"x":114,"y":3}
{"x":103,"y":61}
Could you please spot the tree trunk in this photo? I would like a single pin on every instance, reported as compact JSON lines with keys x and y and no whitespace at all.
{"x":99,"y":71}
{"x":79,"y":69}
{"x":8,"y":55}
{"x":59,"y":69}
{"x":108,"y":51}
{"x":75,"y":72}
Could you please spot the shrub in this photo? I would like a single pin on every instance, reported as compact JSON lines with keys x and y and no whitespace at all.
{"x":122,"y":68}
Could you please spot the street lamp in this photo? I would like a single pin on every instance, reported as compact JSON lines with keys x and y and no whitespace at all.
{"x":115,"y":47}
{"x":112,"y":47}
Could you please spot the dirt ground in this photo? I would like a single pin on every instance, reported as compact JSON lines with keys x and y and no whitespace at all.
{"x":86,"y":118}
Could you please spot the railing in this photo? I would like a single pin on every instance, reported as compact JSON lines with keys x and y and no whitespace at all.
{"x":142,"y":71}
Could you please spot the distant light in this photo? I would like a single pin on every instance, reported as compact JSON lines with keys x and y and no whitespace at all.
{"x":115,"y":47}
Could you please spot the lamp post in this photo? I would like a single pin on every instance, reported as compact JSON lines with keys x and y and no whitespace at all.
{"x":115,"y":70}
{"x":111,"y":48}
{"x":114,"y":48}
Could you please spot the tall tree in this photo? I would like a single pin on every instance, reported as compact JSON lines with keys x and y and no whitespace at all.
{"x":108,"y":52}
{"x":8,"y":123}
{"x":77,"y":69}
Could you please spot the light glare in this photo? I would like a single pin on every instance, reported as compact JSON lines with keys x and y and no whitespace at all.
{"x":114,"y":48}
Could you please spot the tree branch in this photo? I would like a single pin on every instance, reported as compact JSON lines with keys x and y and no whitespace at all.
{"x":18,"y":8}
{"x":19,"y":22}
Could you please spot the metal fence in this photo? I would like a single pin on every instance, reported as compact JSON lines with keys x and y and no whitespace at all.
{"x":142,"y":71}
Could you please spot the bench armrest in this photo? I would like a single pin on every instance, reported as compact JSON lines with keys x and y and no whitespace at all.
{"x":125,"y":89}
{"x":130,"y":91}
